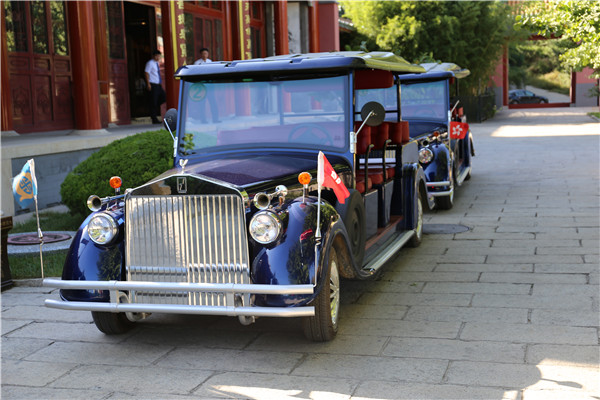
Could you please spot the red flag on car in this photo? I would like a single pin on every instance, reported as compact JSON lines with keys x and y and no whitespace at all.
{"x":458,"y":130}
{"x":326,"y":176}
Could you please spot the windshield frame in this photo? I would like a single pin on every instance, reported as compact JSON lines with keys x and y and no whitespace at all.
{"x":341,"y":116}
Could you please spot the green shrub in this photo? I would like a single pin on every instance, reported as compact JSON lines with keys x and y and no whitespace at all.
{"x":136,"y":159}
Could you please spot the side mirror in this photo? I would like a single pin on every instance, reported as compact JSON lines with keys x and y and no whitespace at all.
{"x":170,"y":120}
{"x":373,"y":113}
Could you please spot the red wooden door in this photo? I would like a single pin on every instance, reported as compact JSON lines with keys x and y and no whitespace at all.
{"x":39,"y":65}
{"x":117,"y":64}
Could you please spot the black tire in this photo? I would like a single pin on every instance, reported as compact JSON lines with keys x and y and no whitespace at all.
{"x":353,"y":216}
{"x":415,"y":240}
{"x":446,"y":202}
{"x":323,"y":326}
{"x":111,"y":323}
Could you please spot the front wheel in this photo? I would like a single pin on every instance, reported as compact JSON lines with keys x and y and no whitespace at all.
{"x":323,"y":326}
{"x":446,"y":202}
{"x":111,"y":323}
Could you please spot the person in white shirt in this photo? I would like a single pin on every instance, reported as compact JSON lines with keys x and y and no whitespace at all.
{"x":156,"y":93}
{"x":203,"y":57}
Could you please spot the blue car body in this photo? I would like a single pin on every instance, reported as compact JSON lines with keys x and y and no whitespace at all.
{"x":193,"y":239}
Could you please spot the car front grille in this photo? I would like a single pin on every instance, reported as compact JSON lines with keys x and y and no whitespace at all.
{"x":188,"y":238}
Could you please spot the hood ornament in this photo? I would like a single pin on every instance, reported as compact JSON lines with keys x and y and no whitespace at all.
{"x":182,"y":164}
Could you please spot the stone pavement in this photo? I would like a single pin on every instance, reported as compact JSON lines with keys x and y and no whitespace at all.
{"x":507,"y":310}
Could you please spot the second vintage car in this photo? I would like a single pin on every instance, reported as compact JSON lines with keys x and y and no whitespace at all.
{"x":290,"y":173}
{"x":439,"y":125}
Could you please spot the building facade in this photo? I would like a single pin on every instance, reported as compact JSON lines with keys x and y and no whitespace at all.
{"x":78,"y":65}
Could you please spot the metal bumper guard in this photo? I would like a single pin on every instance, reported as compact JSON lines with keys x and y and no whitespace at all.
{"x":435,"y":185}
{"x":230,"y":291}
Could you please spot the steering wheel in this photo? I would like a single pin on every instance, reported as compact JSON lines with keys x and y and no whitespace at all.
{"x":310,"y":133}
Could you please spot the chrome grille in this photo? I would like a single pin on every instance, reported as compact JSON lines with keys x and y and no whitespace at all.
{"x":190,"y":238}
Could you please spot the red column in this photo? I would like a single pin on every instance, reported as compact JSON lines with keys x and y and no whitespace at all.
{"x":313,"y":10}
{"x":505,"y":76}
{"x":329,"y":27}
{"x":7,"y":121}
{"x":175,"y":50}
{"x":282,"y":45}
{"x":83,"y":61}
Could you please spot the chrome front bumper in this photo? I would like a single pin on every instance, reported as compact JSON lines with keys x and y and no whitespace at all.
{"x":230,"y":291}
{"x":440,"y":184}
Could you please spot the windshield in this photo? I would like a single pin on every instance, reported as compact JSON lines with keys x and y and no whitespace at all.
{"x":425,"y":101}
{"x":307,"y":113}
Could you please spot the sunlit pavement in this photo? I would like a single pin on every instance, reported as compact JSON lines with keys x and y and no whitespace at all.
{"x":506,"y":310}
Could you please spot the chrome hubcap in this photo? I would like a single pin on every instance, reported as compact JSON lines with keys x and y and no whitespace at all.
{"x":334,"y":292}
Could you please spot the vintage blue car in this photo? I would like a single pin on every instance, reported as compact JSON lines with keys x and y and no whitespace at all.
{"x":246,"y":224}
{"x":438,"y":123}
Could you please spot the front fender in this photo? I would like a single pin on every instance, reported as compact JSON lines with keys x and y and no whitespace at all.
{"x":293,"y":258}
{"x":87,"y":261}
{"x":439,"y":169}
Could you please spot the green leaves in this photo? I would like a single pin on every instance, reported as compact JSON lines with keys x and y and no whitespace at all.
{"x":468,"y":33}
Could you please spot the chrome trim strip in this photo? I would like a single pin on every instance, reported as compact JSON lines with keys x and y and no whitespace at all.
{"x":378,"y":262}
{"x":438,"y":184}
{"x":307,"y":311}
{"x":181,"y":286}
{"x":440,"y":194}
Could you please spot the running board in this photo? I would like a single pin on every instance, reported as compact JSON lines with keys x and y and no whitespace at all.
{"x":374,"y":265}
{"x":461,"y":177}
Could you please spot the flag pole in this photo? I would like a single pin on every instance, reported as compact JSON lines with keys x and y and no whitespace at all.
{"x":40,"y":234}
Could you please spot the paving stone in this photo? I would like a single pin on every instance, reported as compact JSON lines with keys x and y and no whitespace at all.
{"x":368,"y":368}
{"x":269,"y":386}
{"x":527,"y":333}
{"x":477,"y":287}
{"x":230,"y":360}
{"x":566,"y":268}
{"x":10,"y":325}
{"x":557,"y":394}
{"x":570,"y":243}
{"x":188,"y":336}
{"x":17,"y":349}
{"x":391,"y":283}
{"x":484,"y":267}
{"x":565,"y":302}
{"x":372,"y":389}
{"x":565,"y":317}
{"x":534,"y":259}
{"x":47,"y":314}
{"x":465,"y":314}
{"x":549,"y":354}
{"x":126,"y":354}
{"x":445,"y":349}
{"x":533,"y":278}
{"x":519,"y":376}
{"x":592,"y":259}
{"x":436,"y":276}
{"x":414,"y":299}
{"x":27,"y":393}
{"x":140,"y":380}
{"x":31,"y":373}
{"x":562,"y":289}
{"x":390,"y":328}
{"x":352,"y":311}
{"x":64,"y":331}
{"x":494,"y":251}
{"x":586,"y":251}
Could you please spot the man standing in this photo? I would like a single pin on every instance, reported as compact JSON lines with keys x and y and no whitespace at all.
{"x":203,"y":57}
{"x":156,"y":94}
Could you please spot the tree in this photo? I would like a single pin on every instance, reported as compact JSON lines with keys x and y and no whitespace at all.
{"x":576,"y":20}
{"x":468,"y":33}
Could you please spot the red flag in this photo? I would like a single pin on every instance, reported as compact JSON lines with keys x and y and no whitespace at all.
{"x":326,"y":176}
{"x":458,"y":130}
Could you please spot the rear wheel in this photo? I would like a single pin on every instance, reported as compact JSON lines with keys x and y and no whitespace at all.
{"x":323,"y":326}
{"x":415,"y":240}
{"x":111,"y":323}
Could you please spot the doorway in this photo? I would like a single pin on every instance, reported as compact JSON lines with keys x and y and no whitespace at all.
{"x":140,"y":32}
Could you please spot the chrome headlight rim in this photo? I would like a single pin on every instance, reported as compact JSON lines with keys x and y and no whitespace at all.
{"x":102,"y":234}
{"x":425,"y":155}
{"x":276,"y":227}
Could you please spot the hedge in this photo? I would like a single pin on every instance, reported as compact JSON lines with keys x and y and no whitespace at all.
{"x":136,"y":159}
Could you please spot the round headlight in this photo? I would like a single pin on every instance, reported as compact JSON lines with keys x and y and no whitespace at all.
{"x":425,"y":155}
{"x":102,"y":228}
{"x":265,"y":227}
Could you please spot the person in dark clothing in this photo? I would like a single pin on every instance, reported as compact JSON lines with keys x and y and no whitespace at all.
{"x":156,"y":93}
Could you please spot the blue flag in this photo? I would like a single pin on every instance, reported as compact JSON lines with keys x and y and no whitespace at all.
{"x":25,"y":185}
